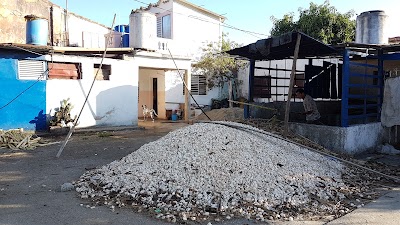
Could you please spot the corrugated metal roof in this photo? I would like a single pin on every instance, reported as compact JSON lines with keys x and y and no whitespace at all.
{"x":282,"y":47}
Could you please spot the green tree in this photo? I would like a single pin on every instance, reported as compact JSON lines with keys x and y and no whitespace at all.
{"x":322,"y":22}
{"x":218,"y":66}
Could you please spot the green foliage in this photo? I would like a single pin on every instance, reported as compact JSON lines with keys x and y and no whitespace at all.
{"x":62,"y":114}
{"x":104,"y":134}
{"x":322,"y":22}
{"x":216,"y":65}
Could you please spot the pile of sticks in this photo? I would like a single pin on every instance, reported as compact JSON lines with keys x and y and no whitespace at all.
{"x":17,"y":139}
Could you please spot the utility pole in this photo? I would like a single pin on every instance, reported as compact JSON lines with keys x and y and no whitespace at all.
{"x":66,"y":37}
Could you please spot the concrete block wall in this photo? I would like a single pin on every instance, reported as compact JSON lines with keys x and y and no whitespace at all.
{"x":351,"y":140}
{"x":329,"y":110}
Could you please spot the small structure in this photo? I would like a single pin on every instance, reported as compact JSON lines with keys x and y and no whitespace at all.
{"x":348,"y":82}
{"x":151,"y":71}
{"x":35,"y":79}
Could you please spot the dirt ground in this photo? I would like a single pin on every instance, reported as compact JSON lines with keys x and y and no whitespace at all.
{"x":30,"y":181}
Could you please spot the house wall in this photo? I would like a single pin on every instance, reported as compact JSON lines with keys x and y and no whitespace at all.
{"x":189,"y":26}
{"x":351,"y":140}
{"x":84,"y":33}
{"x":188,"y":29}
{"x":111,"y":102}
{"x":188,"y":39}
{"x":174,"y":92}
{"x":29,"y":109}
{"x":155,"y":63}
{"x":12,"y":20}
{"x":12,"y":23}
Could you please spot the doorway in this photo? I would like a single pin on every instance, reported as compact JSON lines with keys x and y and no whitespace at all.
{"x":155,"y":96}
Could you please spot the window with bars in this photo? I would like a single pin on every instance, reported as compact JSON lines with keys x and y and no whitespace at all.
{"x":164,"y":27}
{"x":199,"y":84}
{"x":262,"y":87}
{"x":31,"y":70}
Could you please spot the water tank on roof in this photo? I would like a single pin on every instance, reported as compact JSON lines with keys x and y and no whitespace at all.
{"x":372,"y":28}
{"x":143,"y":30}
{"x":114,"y":40}
{"x":125,"y":40}
{"x":37,"y":30}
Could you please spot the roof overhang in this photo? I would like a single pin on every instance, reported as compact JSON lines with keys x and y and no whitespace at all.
{"x":282,"y":47}
{"x":201,"y":9}
{"x":36,"y":49}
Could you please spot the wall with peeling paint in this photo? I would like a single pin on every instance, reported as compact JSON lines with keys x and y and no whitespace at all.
{"x":12,"y":22}
{"x":81,"y":31}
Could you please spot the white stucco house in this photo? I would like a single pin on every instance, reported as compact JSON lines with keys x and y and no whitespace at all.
{"x":180,"y":28}
{"x":165,"y":40}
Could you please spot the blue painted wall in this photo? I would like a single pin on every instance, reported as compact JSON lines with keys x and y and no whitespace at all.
{"x":28,"y":110}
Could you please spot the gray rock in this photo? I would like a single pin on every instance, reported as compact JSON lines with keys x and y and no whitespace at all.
{"x":67,"y":187}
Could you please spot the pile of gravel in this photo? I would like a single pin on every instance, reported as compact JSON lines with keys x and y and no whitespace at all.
{"x":223,"y":114}
{"x":209,"y":170}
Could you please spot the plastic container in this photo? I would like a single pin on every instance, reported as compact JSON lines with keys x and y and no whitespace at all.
{"x":174,"y":117}
{"x":125,"y":40}
{"x":37,"y":30}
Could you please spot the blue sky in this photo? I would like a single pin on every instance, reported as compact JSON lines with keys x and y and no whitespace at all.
{"x":251,"y":15}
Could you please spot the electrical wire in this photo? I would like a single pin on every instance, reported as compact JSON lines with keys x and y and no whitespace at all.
{"x":204,"y":20}
{"x":43,"y":75}
{"x":186,"y":87}
{"x":87,"y":96}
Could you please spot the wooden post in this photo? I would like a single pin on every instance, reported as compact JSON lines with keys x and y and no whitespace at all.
{"x":251,"y":86}
{"x":187,"y":95}
{"x":292,"y":75}
{"x":230,"y":93}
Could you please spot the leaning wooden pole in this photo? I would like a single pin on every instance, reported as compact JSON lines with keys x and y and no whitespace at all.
{"x":72,"y":129}
{"x":292,"y":75}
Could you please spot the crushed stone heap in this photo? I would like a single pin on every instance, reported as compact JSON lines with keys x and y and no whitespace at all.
{"x":209,"y":170}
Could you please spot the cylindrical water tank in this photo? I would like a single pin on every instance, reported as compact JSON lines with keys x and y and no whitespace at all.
{"x":372,"y":28}
{"x":143,"y":30}
{"x":125,"y":40}
{"x":37,"y":30}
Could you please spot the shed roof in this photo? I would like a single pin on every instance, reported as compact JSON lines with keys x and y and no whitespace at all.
{"x":282,"y":47}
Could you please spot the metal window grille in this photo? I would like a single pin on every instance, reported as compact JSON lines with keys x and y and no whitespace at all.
{"x":199,"y":85}
{"x":159,"y":27}
{"x":164,"y":27}
{"x":31,"y":70}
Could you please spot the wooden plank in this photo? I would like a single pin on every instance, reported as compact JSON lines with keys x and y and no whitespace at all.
{"x":292,"y":75}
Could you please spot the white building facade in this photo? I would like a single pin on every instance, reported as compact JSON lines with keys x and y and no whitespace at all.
{"x":182,"y":29}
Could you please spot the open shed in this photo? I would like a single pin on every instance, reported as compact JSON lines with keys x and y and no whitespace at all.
{"x":347,"y":81}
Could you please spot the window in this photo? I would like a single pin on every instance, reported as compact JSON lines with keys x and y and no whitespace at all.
{"x":31,"y":70}
{"x":104,"y":73}
{"x":164,"y":27}
{"x":199,"y":84}
{"x":66,"y":71}
{"x":262,"y":87}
